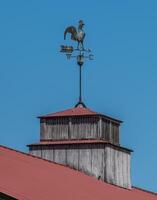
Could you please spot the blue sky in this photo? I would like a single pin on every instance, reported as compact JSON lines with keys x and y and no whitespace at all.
{"x":121,"y":82}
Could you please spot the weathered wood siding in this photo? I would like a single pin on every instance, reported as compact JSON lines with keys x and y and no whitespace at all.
{"x":36,"y":151}
{"x":79,"y":128}
{"x":88,"y":158}
{"x":118,"y":167}
{"x":102,"y":161}
{"x":84,"y":128}
{"x":56,"y":129}
{"x":110,"y":131}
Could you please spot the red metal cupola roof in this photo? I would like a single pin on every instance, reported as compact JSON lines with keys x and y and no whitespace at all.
{"x":77,"y":111}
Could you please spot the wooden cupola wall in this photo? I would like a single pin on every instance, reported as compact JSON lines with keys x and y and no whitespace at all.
{"x":79,"y":127}
{"x":86,"y":141}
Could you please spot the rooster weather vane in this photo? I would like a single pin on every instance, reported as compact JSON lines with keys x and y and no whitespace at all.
{"x":77,"y":35}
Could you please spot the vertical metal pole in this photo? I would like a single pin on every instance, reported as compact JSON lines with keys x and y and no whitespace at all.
{"x":80,"y":61}
{"x":80,"y":86}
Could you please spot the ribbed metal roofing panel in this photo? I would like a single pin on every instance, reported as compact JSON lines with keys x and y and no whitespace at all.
{"x":26,"y":177}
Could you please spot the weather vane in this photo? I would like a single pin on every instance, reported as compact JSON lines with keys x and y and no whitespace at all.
{"x":77,"y":35}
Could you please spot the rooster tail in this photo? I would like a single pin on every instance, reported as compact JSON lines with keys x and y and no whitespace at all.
{"x":72,"y":30}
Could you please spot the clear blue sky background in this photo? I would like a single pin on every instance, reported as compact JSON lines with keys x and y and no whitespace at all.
{"x":121,"y":82}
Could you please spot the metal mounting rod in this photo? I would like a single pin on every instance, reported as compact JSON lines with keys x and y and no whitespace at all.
{"x":80,"y":88}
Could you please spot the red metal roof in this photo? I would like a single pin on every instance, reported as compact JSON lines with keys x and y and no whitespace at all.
{"x":77,"y":111}
{"x":26,"y":177}
{"x":89,"y":141}
{"x":47,"y":142}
